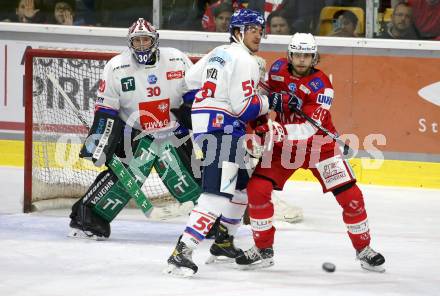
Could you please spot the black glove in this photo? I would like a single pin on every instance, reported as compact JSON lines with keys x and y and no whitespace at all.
{"x":183,"y":115}
{"x":283,"y":102}
{"x":294,"y":103}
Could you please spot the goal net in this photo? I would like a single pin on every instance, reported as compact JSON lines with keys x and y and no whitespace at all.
{"x":55,"y":177}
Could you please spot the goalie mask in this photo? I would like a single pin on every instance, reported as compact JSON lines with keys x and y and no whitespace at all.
{"x":143,"y":41}
{"x":303,"y":43}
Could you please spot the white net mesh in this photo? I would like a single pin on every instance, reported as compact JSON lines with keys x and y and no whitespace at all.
{"x":59,"y":177}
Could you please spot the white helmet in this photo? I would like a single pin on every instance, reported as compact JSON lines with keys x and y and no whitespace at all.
{"x":303,"y":43}
{"x":141,"y":28}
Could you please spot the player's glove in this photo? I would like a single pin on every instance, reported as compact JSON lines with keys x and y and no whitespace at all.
{"x":283,"y":102}
{"x":273,"y":129}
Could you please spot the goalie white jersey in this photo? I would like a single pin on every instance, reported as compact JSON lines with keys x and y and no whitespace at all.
{"x":144,"y":94}
{"x":227,"y":78}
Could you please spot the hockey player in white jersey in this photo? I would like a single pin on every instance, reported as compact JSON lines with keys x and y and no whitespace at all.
{"x":140,"y":92}
{"x":227,"y":78}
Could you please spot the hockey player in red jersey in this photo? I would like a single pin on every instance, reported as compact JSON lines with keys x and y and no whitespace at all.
{"x":302,"y":86}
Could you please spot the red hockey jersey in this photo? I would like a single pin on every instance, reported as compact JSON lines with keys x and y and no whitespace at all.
{"x":316,"y":92}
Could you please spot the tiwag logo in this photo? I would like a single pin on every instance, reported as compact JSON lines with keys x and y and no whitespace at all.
{"x":431,"y":93}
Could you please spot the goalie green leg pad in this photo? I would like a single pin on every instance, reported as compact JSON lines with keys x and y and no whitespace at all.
{"x":131,"y":186}
{"x":106,"y":197}
{"x":175,"y":176}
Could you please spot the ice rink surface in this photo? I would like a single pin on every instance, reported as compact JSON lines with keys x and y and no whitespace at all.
{"x":36,"y":257}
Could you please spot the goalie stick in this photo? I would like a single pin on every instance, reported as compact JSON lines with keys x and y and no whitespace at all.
{"x":128,"y":182}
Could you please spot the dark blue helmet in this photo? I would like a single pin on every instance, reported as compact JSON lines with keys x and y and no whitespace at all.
{"x":245,"y":17}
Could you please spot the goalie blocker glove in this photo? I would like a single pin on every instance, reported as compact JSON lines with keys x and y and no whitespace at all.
{"x":282,"y":102}
{"x":104,"y":137}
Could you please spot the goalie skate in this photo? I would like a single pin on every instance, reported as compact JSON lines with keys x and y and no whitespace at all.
{"x":371,"y":260}
{"x":78,"y":233}
{"x":180,"y":262}
{"x":255,"y":258}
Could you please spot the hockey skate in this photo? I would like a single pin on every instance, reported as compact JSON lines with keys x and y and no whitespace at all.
{"x":76,"y":231}
{"x":180,"y":262}
{"x":255,"y":258}
{"x":223,"y":249}
{"x":370,"y":259}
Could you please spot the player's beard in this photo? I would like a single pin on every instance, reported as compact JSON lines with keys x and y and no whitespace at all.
{"x":300,"y":72}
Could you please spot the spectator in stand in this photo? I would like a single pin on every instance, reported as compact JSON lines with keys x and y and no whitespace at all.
{"x":27,"y":11}
{"x":278,"y":23}
{"x":303,"y":16}
{"x":208,"y":20}
{"x":344,"y":24}
{"x":401,"y":25}
{"x":63,"y":12}
{"x":426,"y":17}
{"x":222,"y":17}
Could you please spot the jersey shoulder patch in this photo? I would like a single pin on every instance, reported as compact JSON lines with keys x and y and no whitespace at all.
{"x":316,"y":84}
{"x":278,"y":65}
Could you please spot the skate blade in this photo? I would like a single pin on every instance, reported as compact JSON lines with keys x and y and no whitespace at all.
{"x":77,"y":233}
{"x":265,"y":263}
{"x":219,"y":260}
{"x":372,"y":268}
{"x":183,"y":272}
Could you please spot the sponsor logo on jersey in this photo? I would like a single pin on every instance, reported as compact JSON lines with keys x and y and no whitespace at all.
{"x":276,"y":66}
{"x":121,"y":67}
{"x":99,"y":100}
{"x":292,"y":87}
{"x":316,"y":84}
{"x":152,"y":79}
{"x":304,"y":89}
{"x":218,"y":120}
{"x":154,"y":114}
{"x":277,"y":78}
{"x":101,"y":86}
{"x":323,"y":99}
{"x":431,"y":93}
{"x":128,"y":84}
{"x":175,"y":59}
{"x":175,"y":75}
{"x":217,"y":59}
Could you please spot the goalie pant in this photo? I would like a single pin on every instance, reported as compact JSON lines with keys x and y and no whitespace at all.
{"x":106,"y":197}
{"x":333,"y":173}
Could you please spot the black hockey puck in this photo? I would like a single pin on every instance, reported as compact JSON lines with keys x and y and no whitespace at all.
{"x":329,"y":267}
